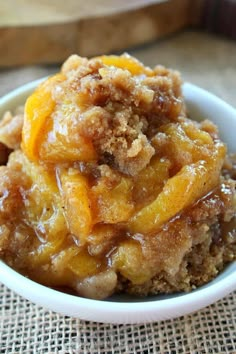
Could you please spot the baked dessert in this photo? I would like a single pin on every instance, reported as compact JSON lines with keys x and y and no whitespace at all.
{"x":108,"y":186}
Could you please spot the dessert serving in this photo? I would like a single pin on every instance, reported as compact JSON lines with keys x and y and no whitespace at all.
{"x":108,"y":186}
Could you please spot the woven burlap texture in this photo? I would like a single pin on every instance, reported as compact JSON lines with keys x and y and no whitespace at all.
{"x":27,"y":328}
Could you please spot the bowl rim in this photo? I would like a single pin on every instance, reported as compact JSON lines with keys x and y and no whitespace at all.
{"x":228,"y":283}
{"x":183,"y":302}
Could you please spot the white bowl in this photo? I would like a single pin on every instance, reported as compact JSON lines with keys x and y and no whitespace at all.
{"x":123,"y":308}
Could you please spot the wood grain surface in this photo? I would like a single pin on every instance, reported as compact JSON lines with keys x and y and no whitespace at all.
{"x":49,"y":31}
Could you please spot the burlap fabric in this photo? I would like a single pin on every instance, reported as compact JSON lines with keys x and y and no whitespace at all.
{"x":26,"y":328}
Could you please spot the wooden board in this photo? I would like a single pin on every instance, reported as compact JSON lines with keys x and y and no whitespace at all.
{"x":49,"y":31}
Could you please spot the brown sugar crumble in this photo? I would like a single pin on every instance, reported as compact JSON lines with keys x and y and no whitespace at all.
{"x":106,"y":185}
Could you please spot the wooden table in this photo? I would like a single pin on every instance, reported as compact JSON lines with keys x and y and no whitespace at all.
{"x":203,"y":59}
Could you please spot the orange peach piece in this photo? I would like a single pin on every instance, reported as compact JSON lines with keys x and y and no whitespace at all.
{"x":63,"y":150}
{"x":150,"y":181}
{"x":125,"y":61}
{"x":39,"y":106}
{"x":128,"y":260}
{"x":74,"y":188}
{"x":187,"y":144}
{"x":44,"y":252}
{"x":83,"y":265}
{"x":43,"y":209}
{"x":185,"y":188}
{"x":115,"y":204}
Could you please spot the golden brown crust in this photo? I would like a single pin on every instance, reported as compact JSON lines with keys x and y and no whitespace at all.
{"x":122,"y":112}
{"x":11,"y":129}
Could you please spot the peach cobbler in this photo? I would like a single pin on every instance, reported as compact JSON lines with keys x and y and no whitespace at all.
{"x":107,"y":186}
